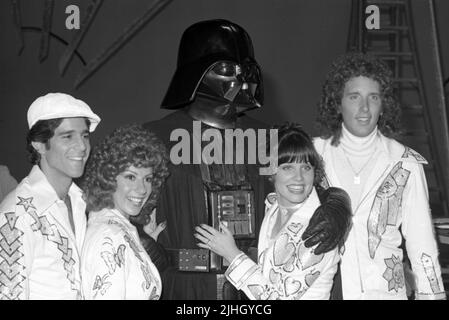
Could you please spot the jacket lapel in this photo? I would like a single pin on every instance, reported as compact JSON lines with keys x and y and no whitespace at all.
{"x":45,"y":203}
{"x":390,"y":154}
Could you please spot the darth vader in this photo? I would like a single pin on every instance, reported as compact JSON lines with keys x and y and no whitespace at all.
{"x":218,"y":80}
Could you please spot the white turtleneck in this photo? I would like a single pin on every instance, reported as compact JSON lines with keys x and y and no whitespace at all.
{"x":358,"y":147}
{"x":355,"y":158}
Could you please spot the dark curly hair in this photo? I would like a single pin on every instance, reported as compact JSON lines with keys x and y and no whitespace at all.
{"x":130,"y":145}
{"x":295,"y":146}
{"x":350,"y":65}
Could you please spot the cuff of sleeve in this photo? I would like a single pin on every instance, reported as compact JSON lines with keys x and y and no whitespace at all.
{"x":433,"y":296}
{"x":240,"y":269}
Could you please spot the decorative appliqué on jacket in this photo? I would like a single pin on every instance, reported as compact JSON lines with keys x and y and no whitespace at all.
{"x":429,"y":269}
{"x":410,"y":153}
{"x":153,"y":294}
{"x":294,"y":227}
{"x":394,"y":273}
{"x":307,"y":258}
{"x":386,"y":206}
{"x":284,"y":253}
{"x":263,"y":292}
{"x":101,"y":285}
{"x":133,"y":246}
{"x":26,"y":203}
{"x":286,"y":257}
{"x":144,"y":266}
{"x":51,"y":232}
{"x":149,"y":279}
{"x":11,"y":278}
{"x":113,"y":259}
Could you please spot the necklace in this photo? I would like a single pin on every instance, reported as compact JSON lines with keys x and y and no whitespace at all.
{"x":357,"y":174}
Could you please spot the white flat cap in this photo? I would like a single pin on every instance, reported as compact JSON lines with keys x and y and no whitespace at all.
{"x":60,"y":105}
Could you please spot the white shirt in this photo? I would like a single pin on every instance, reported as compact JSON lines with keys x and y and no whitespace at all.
{"x":286,"y":269}
{"x":39,"y":252}
{"x":114,"y":263}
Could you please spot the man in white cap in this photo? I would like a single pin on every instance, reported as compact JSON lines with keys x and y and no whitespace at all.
{"x":43,"y":221}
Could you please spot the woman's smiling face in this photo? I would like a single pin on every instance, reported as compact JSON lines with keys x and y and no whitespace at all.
{"x":133,"y":189}
{"x":293,"y":183}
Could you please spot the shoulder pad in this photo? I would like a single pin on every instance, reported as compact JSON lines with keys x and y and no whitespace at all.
{"x":411,"y":155}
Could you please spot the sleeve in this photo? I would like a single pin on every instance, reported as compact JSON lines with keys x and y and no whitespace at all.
{"x":105,"y":272}
{"x":418,"y":231}
{"x":15,"y":256}
{"x":289,"y":281}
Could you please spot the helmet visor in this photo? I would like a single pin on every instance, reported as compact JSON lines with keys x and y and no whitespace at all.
{"x":235,"y":83}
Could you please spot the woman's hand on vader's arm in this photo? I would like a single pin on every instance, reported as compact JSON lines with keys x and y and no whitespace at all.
{"x":221,"y":242}
{"x":331,"y":221}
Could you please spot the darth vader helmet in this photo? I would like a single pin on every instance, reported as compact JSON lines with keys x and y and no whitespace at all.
{"x":216,"y":60}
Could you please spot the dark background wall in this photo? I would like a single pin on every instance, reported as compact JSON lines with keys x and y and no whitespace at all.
{"x":295,"y":42}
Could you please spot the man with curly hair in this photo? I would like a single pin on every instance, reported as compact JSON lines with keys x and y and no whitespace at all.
{"x":123,"y":175}
{"x":43,"y":221}
{"x":358,"y":118}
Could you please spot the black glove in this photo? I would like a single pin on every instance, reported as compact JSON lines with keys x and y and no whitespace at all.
{"x":331,"y":221}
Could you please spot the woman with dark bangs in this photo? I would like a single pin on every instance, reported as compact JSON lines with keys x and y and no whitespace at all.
{"x":123,"y":175}
{"x":286,"y":269}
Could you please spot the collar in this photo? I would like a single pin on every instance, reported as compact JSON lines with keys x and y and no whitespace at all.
{"x":358,"y":146}
{"x":398,"y":152}
{"x":108,"y":214}
{"x":306,"y":208}
{"x":392,"y":149}
{"x":43,"y":193}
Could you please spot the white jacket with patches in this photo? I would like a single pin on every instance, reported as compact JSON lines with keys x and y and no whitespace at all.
{"x":39,"y":253}
{"x":394,"y":199}
{"x":286,"y":269}
{"x":115,"y":266}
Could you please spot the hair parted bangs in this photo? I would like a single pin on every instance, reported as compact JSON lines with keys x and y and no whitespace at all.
{"x":293,"y":149}
{"x":296,"y":146}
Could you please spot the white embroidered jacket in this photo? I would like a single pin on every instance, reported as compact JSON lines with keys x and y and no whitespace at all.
{"x":115,"y":266}
{"x":394,"y":199}
{"x":39,"y":253}
{"x":286,"y":269}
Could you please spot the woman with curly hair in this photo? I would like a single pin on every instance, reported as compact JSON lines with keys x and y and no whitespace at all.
{"x":358,"y":119}
{"x":123,"y":175}
{"x":286,"y":269}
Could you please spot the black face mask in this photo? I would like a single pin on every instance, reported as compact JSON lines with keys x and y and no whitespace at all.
{"x":231,"y":83}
